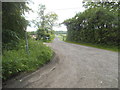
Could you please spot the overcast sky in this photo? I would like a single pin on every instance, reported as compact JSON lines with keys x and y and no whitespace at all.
{"x":65,"y":9}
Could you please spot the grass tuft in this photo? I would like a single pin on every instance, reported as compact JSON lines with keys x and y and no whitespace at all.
{"x":16,"y":61}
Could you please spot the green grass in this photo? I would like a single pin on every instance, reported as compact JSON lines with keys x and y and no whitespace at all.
{"x":105,"y":47}
{"x":60,"y":36}
{"x":16,"y":61}
{"x":52,"y":36}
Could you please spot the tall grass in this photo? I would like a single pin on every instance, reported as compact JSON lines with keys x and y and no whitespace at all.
{"x":15,"y":61}
{"x":105,"y":47}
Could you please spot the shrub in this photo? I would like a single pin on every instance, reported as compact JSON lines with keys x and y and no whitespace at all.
{"x":15,"y":61}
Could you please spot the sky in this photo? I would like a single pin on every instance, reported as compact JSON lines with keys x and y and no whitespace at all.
{"x":65,"y":9}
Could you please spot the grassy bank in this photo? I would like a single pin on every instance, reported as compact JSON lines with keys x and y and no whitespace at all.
{"x":105,"y":47}
{"x":16,"y":61}
{"x":62,"y":37}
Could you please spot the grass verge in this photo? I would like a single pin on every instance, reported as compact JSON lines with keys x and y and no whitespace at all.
{"x":62,"y":37}
{"x":105,"y":47}
{"x":16,"y":61}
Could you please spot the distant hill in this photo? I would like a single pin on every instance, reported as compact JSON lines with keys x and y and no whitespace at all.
{"x":60,"y":32}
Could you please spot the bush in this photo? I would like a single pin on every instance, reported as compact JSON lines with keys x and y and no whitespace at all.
{"x":15,"y":61}
{"x":51,"y":38}
{"x":95,"y":25}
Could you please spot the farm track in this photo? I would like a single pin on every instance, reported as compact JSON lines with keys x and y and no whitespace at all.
{"x":74,"y":66}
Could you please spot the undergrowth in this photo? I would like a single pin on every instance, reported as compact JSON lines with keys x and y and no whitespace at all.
{"x":16,"y":61}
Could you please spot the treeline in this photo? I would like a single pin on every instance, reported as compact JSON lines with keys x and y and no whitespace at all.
{"x":97,"y":24}
{"x":20,"y":54}
{"x":60,"y":32}
{"x":41,"y":35}
{"x":14,"y":24}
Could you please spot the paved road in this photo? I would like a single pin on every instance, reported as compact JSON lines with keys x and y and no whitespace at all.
{"x":74,"y":66}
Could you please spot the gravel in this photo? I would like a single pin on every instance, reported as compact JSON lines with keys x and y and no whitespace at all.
{"x":74,"y":66}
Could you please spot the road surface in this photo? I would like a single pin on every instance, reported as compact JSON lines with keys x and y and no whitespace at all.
{"x":74,"y":66}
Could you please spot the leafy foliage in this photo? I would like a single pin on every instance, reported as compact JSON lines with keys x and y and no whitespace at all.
{"x":97,"y":24}
{"x":60,"y":32}
{"x":44,"y":23}
{"x":50,"y":19}
{"x":13,"y":23}
{"x":14,"y":58}
{"x":16,"y":61}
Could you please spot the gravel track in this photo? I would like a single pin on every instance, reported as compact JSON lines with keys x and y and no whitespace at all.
{"x":74,"y":66}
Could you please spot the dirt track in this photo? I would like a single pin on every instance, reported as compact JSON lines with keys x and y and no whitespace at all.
{"x":74,"y":66}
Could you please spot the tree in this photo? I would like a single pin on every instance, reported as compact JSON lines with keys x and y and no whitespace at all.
{"x":13,"y":23}
{"x":50,"y":20}
{"x":41,"y":16}
{"x":97,"y":24}
{"x":44,"y":22}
